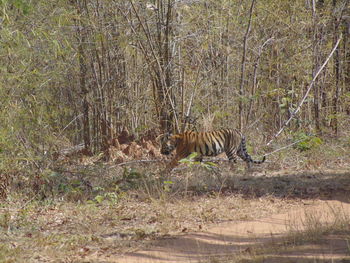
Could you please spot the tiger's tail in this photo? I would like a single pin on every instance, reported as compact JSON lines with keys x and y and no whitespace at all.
{"x":243,"y":153}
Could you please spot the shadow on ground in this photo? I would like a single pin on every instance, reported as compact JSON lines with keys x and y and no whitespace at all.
{"x":304,"y":185}
{"x":263,"y":240}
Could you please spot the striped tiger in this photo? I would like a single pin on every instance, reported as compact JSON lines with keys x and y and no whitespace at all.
{"x":230,"y":141}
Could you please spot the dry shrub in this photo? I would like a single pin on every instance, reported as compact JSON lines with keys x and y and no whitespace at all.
{"x":151,"y":135}
{"x":116,"y":155}
{"x":207,"y":122}
{"x":150,"y":148}
{"x":134,"y":150}
{"x":4,"y":183}
{"x":125,"y":137}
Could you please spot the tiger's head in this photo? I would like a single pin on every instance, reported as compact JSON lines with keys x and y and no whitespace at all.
{"x":168,"y":143}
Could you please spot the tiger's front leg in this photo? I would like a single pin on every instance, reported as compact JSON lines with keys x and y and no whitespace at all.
{"x":173,"y":163}
{"x":179,"y":156}
{"x":231,"y":157}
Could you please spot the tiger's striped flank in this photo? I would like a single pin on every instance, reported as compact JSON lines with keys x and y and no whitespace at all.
{"x":230,"y":141}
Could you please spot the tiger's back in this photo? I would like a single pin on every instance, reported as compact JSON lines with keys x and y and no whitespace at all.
{"x":230,"y":141}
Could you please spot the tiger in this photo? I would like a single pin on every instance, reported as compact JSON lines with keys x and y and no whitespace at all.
{"x":230,"y":141}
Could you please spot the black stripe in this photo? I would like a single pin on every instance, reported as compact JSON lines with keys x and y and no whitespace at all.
{"x":207,"y":151}
{"x":214,"y":147}
{"x":222,"y":137}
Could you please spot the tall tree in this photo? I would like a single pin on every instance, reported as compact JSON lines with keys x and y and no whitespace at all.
{"x":156,"y":45}
{"x":81,"y":36}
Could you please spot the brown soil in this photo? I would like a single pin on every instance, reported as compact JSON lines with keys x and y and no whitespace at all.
{"x":236,"y":239}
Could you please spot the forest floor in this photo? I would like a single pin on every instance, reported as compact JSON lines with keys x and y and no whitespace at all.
{"x":291,"y":209}
{"x":268,"y":239}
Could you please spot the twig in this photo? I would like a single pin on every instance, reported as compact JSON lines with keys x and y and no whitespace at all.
{"x":29,"y":201}
{"x":137,"y":161}
{"x":20,"y":138}
{"x":253,"y":123}
{"x":254,"y":86}
{"x":307,"y":92}
{"x":59,"y":135}
{"x":284,"y":147}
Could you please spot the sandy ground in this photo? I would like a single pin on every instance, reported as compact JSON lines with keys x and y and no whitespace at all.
{"x":237,"y":238}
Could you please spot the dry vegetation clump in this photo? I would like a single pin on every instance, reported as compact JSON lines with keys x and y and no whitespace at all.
{"x":124,"y":148}
{"x":4,"y":183}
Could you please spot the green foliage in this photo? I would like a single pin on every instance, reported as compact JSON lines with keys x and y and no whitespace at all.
{"x":285,"y":104}
{"x":130,"y":179}
{"x":306,"y":141}
{"x":54,"y":184}
{"x":31,"y":77}
{"x":167,"y":185}
{"x":192,"y":160}
{"x":111,"y":197}
{"x":221,"y":115}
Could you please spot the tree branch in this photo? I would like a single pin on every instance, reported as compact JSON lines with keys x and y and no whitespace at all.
{"x":307,"y":92}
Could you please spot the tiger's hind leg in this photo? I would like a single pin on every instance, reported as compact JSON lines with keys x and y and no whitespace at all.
{"x":242,"y":153}
{"x":231,"y":156}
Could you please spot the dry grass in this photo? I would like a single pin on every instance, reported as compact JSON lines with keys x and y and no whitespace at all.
{"x":320,"y":236}
{"x":105,"y":209}
{"x":63,"y":229}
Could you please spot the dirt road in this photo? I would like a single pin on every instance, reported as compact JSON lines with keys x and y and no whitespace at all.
{"x":237,"y":238}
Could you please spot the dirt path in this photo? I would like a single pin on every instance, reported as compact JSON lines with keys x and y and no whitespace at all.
{"x":235,"y":237}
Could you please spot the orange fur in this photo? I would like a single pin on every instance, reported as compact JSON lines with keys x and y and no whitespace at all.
{"x":230,"y":141}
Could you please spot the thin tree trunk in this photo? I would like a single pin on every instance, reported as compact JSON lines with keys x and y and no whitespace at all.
{"x":334,"y":122}
{"x":82,"y":79}
{"x":158,"y":58}
{"x":346,"y":32}
{"x":317,"y":58}
{"x":255,"y":77}
{"x":242,"y":79}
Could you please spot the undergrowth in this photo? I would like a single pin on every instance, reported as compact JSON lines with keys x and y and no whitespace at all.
{"x":106,"y":208}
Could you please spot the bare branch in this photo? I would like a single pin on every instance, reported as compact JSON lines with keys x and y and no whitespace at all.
{"x":284,"y":147}
{"x":307,"y":92}
{"x":137,"y":161}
